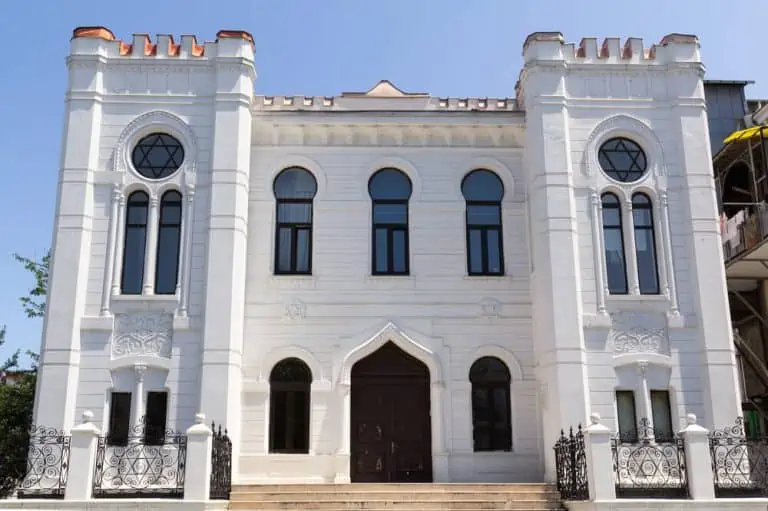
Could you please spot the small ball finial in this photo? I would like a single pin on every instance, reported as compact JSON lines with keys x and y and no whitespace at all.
{"x":199,"y":418}
{"x":690,"y":419}
{"x":87,"y":417}
{"x":594,"y":418}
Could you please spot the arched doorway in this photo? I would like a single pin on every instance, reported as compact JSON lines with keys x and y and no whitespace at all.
{"x":390,"y":431}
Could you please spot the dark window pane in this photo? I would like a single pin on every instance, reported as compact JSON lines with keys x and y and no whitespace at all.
{"x":611,"y":216}
{"x":622,"y":159}
{"x":482,"y":185}
{"x":380,"y":250}
{"x":284,"y":249}
{"x":157,"y":156}
{"x":642,"y":217}
{"x":289,"y":395}
{"x":389,"y":184}
{"x":155,"y":421}
{"x":133,"y":260}
{"x":295,"y":183}
{"x":119,"y":418}
{"x":489,"y":369}
{"x":614,"y":261}
{"x":390,"y":213}
{"x":493,"y":250}
{"x":662,"y":415}
{"x":483,"y":215}
{"x":302,"y":250}
{"x":625,"y":406}
{"x":475,"y":251}
{"x":290,"y":370}
{"x":278,"y":418}
{"x":167,"y":260}
{"x":482,"y":438}
{"x":137,"y":214}
{"x":646,"y":262}
{"x":294,"y":213}
{"x":399,"y":252}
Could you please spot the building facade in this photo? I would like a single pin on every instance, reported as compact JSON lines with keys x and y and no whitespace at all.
{"x":384,"y":285}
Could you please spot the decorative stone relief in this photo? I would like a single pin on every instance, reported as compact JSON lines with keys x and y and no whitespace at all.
{"x":296,"y":309}
{"x":490,"y":308}
{"x":638,"y":332}
{"x":142,"y":334}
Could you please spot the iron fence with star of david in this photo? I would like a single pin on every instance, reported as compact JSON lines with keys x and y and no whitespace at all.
{"x":739,"y":462}
{"x":146,"y":463}
{"x":647,"y":465}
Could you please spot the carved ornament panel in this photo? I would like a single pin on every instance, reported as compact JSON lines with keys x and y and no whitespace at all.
{"x":638,"y":332}
{"x":142,"y":335}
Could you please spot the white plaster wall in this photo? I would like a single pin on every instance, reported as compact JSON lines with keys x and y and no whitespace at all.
{"x":343,"y":303}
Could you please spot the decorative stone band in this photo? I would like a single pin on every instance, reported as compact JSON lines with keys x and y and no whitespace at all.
{"x":165,"y":46}
{"x":611,"y":50}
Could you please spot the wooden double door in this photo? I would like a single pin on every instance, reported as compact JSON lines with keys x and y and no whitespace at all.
{"x":391,"y":430}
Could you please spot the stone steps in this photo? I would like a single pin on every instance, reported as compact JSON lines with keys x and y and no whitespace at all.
{"x":396,"y":497}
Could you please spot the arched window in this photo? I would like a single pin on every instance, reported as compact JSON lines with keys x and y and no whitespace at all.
{"x":491,"y":415}
{"x":645,"y":244}
{"x":168,"y":242}
{"x":135,"y":243}
{"x":295,"y":189}
{"x":615,"y":261}
{"x":483,"y":191}
{"x":289,"y":385}
{"x":390,"y":190}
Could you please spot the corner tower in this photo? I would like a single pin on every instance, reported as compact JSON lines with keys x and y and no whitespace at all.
{"x":628,"y":285}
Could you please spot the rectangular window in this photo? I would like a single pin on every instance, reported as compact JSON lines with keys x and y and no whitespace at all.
{"x":390,"y":239}
{"x":484,"y":251}
{"x":289,"y":421}
{"x":155,"y":420}
{"x":119,"y":418}
{"x":662,"y":416}
{"x":293,"y":244}
{"x":625,"y":408}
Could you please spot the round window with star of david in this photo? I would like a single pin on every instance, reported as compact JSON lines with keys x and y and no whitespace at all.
{"x":157,"y":156}
{"x":622,"y":160}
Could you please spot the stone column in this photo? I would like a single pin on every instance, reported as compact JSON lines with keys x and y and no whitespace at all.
{"x":109,"y":263}
{"x":197,"y":480}
{"x":628,"y":225}
{"x":644,"y":401}
{"x":698,"y":460}
{"x":669,"y":265}
{"x":182,"y":288}
{"x":82,"y":458}
{"x":597,"y":442}
{"x":596,"y":208}
{"x":150,"y":256}
{"x":440,"y":469}
{"x":117,"y":273}
{"x":343,"y":452}
{"x":137,"y":407}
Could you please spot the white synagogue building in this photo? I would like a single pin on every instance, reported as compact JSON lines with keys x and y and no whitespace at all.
{"x":386,"y":286}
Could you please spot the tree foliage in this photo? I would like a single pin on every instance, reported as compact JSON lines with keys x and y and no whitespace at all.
{"x":17,"y":395}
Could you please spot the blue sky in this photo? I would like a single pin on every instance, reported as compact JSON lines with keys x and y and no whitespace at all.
{"x":313,"y":47}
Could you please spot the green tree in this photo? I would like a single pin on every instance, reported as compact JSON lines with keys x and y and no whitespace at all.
{"x":17,"y":399}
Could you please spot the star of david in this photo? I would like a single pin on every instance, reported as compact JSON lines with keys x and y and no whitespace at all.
{"x":622,"y":160}
{"x":158,"y":156}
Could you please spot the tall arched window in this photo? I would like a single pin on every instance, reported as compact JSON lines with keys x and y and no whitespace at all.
{"x":483,"y":191}
{"x":390,"y":190}
{"x":168,"y":242}
{"x":289,"y":386}
{"x":491,"y":415}
{"x":295,"y":189}
{"x":615,"y":261}
{"x":136,"y":211}
{"x":645,"y":244}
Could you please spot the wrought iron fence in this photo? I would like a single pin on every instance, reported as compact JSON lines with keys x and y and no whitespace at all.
{"x":647,"y":465}
{"x":571,"y":466}
{"x":134,"y":467}
{"x":739,"y":463}
{"x":47,"y":464}
{"x":221,"y":464}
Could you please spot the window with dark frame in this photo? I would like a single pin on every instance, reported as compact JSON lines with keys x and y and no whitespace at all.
{"x":157,"y":156}
{"x":645,"y":244}
{"x":626,"y":415}
{"x":613,"y":237}
{"x":390,"y":190}
{"x":491,"y":414}
{"x":119,"y":418}
{"x":289,"y":397}
{"x":135,"y":242}
{"x":483,"y":191}
{"x":662,"y":416}
{"x":295,"y":190}
{"x":168,"y":243}
{"x":622,"y":159}
{"x":156,"y":418}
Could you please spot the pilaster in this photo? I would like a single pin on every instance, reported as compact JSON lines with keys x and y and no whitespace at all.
{"x":60,"y":348}
{"x":221,"y":364}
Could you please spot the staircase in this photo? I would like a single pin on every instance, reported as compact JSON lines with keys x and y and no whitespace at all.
{"x":400,"y":497}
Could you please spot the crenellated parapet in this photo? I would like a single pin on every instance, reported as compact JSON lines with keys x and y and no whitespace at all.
{"x":551,"y":46}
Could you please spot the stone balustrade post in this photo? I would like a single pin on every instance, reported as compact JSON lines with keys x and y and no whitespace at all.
{"x":82,"y":458}
{"x":698,"y":460}
{"x":597,"y":443}
{"x":197,"y":480}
